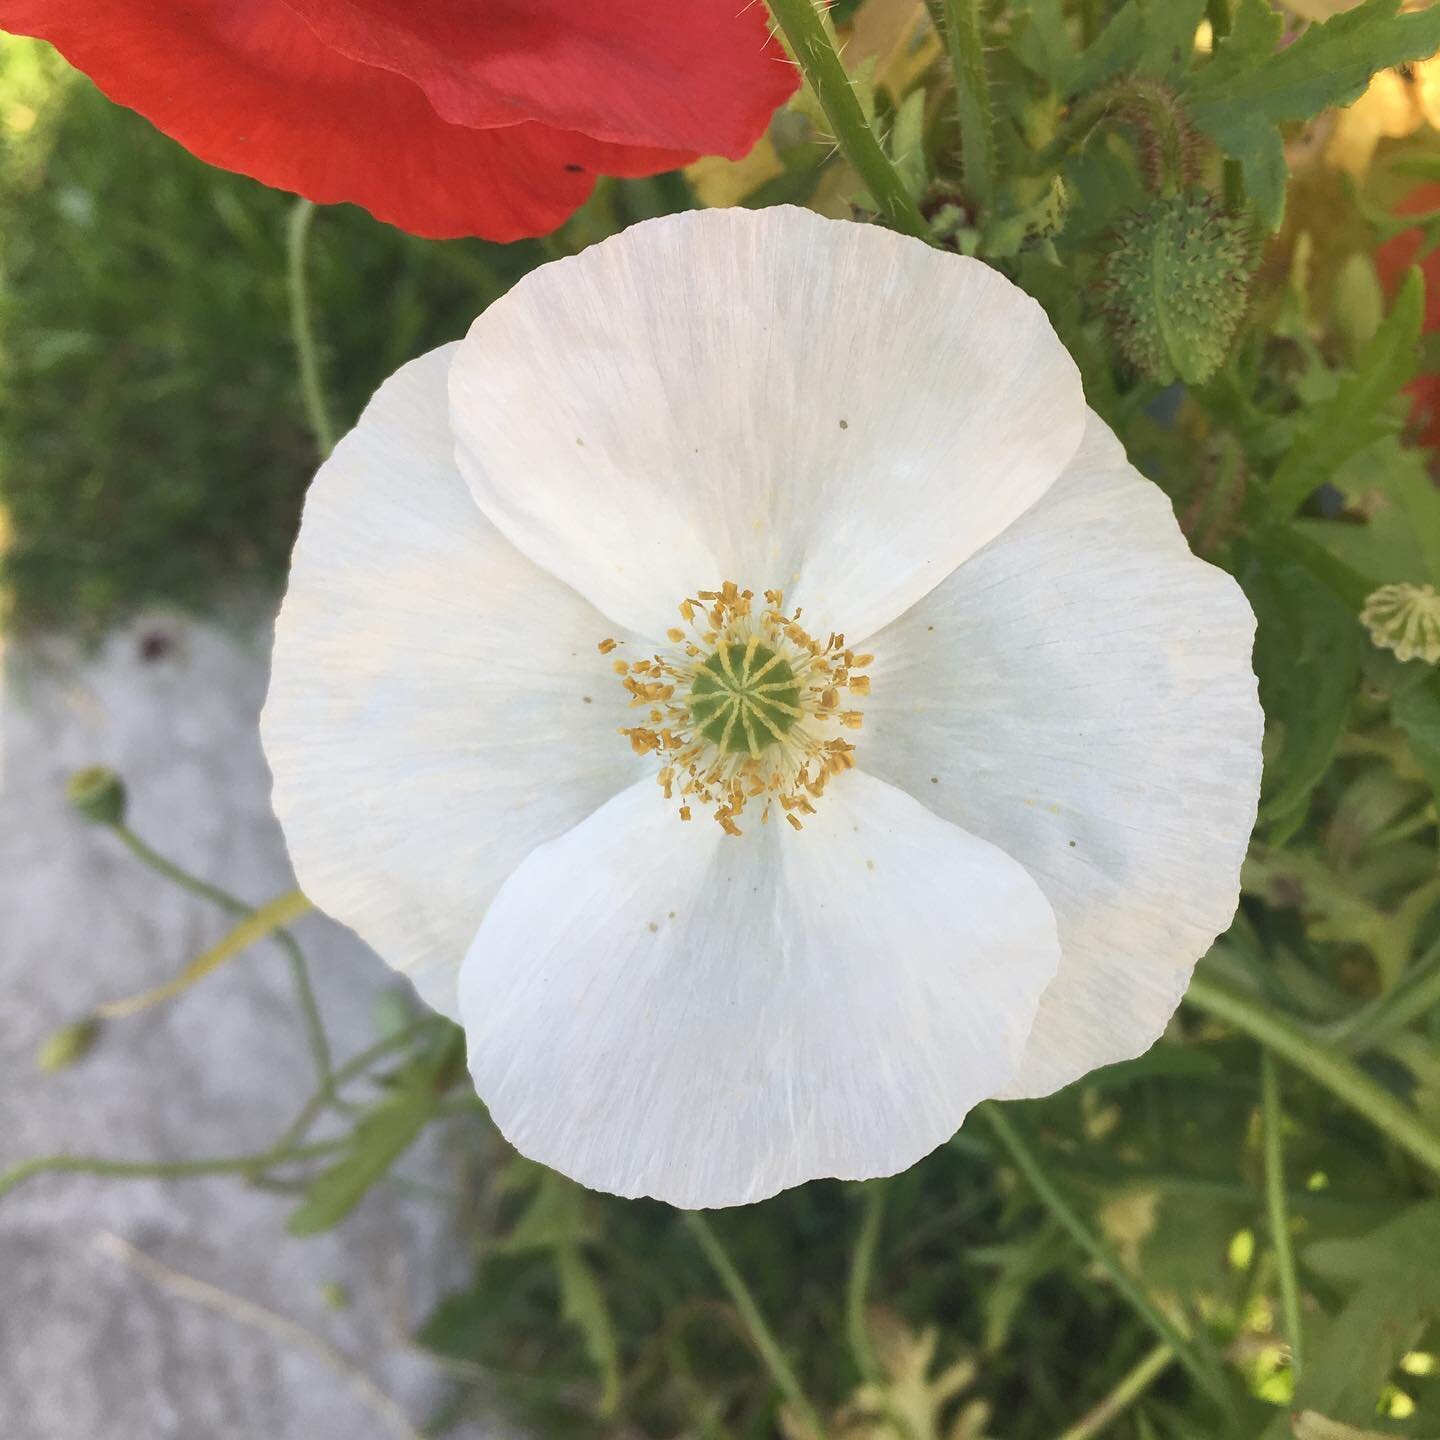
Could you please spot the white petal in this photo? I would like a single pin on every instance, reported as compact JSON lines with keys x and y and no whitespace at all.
{"x":655,"y":1008}
{"x":437,"y":704}
{"x":762,"y":396}
{"x":1080,"y":694}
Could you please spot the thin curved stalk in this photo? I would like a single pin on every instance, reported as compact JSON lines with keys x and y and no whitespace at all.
{"x":233,"y":905}
{"x":161,"y":1169}
{"x":761,"y":1336}
{"x":857,"y":1287}
{"x":1131,"y":1387}
{"x":302,"y":327}
{"x":1125,"y":1283}
{"x":1336,"y":1073}
{"x":1277,"y":1210}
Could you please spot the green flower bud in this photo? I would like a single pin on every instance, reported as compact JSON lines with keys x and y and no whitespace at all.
{"x":1178,"y":284}
{"x":98,"y":793}
{"x":67,"y":1045}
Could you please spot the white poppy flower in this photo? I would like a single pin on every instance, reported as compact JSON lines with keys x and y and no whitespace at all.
{"x":801,"y":530}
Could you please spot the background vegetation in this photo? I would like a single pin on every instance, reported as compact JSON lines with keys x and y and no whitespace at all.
{"x":1236,"y":1235}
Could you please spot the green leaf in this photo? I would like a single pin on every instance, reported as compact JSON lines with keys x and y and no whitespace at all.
{"x":907,"y":143}
{"x":1250,"y":88}
{"x":1395,"y":1293}
{"x":1416,"y":710}
{"x":1168,"y":35}
{"x":1360,"y":412}
{"x":383,"y":1134}
{"x":1307,"y":655}
{"x":584,"y":1307}
{"x":557,"y":1220}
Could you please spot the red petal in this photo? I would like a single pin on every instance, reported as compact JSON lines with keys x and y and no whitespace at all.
{"x":703,"y":75}
{"x":1394,"y":259}
{"x":246,"y":85}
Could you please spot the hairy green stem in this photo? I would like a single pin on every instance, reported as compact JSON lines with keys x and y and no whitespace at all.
{"x":761,"y":1336}
{"x":1131,"y":1387}
{"x":1049,"y":1194}
{"x":1278,"y":1212}
{"x":965,"y":43}
{"x":302,"y":328}
{"x":1336,"y":1073}
{"x":233,"y":905}
{"x":809,"y":39}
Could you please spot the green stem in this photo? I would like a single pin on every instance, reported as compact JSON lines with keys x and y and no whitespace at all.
{"x":1089,"y":22}
{"x":162,"y":1170}
{"x":1123,"y":1396}
{"x":356,"y":1065}
{"x":1276,"y":1208}
{"x":1218,"y":14}
{"x":233,"y":905}
{"x":186,"y":881}
{"x":1371,"y":1025}
{"x":862,"y":1263}
{"x":809,"y":39}
{"x":1029,"y":1165}
{"x":302,"y":330}
{"x":1339,"y":1075}
{"x":761,"y":1337}
{"x":966,"y":45}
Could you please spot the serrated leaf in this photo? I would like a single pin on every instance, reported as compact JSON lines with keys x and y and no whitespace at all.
{"x":1250,"y":87}
{"x":1361,"y":410}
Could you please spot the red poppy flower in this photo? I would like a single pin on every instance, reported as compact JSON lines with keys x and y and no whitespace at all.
{"x":1394,"y":258}
{"x":445,"y":117}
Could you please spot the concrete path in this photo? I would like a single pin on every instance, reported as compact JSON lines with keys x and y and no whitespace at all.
{"x":96,"y":1343}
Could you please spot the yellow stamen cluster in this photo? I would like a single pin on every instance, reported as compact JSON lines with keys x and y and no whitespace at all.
{"x":746,"y":709}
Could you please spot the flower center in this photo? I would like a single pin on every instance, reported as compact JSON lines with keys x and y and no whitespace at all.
{"x":745,"y":698}
{"x":744,"y":709}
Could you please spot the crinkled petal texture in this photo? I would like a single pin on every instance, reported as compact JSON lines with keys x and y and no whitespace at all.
{"x":768,"y":397}
{"x":705,"y":75}
{"x":1080,"y":694}
{"x":437,"y":704}
{"x":658,"y":1009}
{"x":487,"y":119}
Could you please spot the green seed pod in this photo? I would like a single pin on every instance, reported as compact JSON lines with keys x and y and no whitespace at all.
{"x":1178,"y":285}
{"x":67,"y":1045}
{"x":98,"y":793}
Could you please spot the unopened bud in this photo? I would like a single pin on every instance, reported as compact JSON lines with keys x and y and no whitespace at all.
{"x":98,"y":793}
{"x":1178,"y":283}
{"x":67,"y":1045}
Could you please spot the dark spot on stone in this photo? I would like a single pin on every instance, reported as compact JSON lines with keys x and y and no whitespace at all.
{"x":844,"y":424}
{"x":1072,"y":844}
{"x":934,"y":779}
{"x":587,"y":699}
{"x":654,"y":928}
{"x":155,"y":645}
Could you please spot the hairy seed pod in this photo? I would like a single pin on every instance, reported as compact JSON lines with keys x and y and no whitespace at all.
{"x":1177,"y":286}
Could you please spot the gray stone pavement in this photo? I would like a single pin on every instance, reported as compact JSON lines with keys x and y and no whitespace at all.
{"x":95,"y":1345}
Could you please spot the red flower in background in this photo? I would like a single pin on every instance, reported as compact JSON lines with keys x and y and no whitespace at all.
{"x":1393,"y":259}
{"x":444,"y":117}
